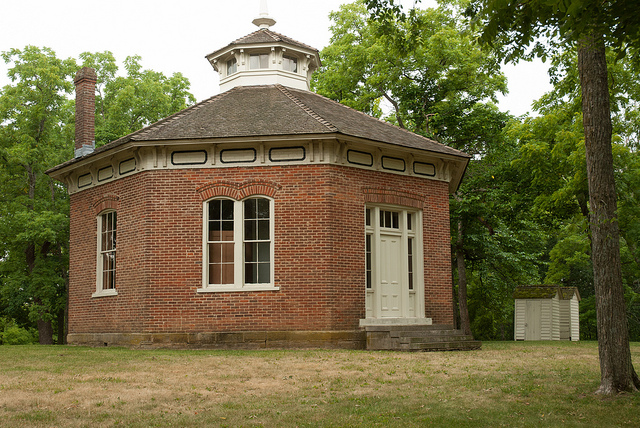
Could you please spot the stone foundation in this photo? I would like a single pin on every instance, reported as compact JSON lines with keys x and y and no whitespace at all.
{"x":231,"y":340}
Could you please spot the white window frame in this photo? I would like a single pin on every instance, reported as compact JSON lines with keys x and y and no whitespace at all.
{"x":101,"y":291}
{"x":238,"y":251}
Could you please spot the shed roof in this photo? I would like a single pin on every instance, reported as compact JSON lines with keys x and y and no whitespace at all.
{"x":545,"y":292}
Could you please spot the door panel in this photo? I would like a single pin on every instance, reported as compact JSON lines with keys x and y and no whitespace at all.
{"x":532,"y":320}
{"x":390,"y":276}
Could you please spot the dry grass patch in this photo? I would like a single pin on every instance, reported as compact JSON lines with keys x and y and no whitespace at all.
{"x":504,"y":384}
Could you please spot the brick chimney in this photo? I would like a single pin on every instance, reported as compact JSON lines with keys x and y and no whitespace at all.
{"x":85,"y":82}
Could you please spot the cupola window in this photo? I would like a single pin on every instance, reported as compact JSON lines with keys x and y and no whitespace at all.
{"x":232,"y":66}
{"x":258,"y":61}
{"x":290,"y":64}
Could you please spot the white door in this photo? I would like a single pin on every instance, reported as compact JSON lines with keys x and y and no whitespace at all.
{"x":532,"y":320}
{"x":390,"y":276}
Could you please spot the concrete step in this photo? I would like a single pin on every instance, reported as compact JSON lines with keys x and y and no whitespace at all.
{"x":434,"y":339}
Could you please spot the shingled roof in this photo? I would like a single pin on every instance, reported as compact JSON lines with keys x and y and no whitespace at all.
{"x":266,"y":36}
{"x":545,"y":292}
{"x":274,"y":110}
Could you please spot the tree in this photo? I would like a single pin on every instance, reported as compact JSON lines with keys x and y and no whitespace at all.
{"x":552,"y":162}
{"x":36,"y":133}
{"x":514,"y":26}
{"x":590,"y":26}
{"x":435,"y":84}
{"x":34,"y":209}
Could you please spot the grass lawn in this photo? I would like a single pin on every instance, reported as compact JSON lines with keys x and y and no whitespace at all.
{"x":507,"y":384}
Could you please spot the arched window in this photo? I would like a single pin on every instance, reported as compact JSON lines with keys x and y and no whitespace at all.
{"x":238,"y":244}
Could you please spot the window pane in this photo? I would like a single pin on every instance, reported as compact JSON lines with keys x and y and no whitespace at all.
{"x":367,"y":217}
{"x":227,"y":209}
{"x":290,"y":64}
{"x":259,"y":61}
{"x":368,"y":260}
{"x":250,"y":227}
{"x":409,"y":221}
{"x":410,"y":262}
{"x":264,"y":274}
{"x":250,"y":209}
{"x":215,"y":274}
{"x":215,"y":210}
{"x":232,"y":66}
{"x":263,"y":229}
{"x":250,"y":252}
{"x":394,"y":221}
{"x":107,"y":280}
{"x":104,"y":241}
{"x":250,"y":273}
{"x":264,"y":251}
{"x":227,"y":225}
{"x":227,"y":274}
{"x":227,"y":252}
{"x":215,"y":253}
{"x":263,"y":208}
{"x":214,"y":230}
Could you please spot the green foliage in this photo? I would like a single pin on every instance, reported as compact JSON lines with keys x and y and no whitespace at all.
{"x":552,"y":162}
{"x":436,"y":80}
{"x":37,"y":133}
{"x":518,"y":28}
{"x":33,"y":208}
{"x":11,"y":334}
{"x":125,"y":104}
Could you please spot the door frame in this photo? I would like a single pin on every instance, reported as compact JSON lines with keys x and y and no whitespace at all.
{"x":411,"y":300}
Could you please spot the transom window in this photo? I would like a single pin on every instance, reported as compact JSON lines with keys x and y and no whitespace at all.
{"x":257,"y":61}
{"x":106,"y":262}
{"x":238,"y":246}
{"x":389,"y":219}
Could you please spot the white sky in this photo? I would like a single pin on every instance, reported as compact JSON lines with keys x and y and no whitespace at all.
{"x":174,"y":36}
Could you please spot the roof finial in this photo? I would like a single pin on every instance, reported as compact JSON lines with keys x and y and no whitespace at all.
{"x":264,"y":20}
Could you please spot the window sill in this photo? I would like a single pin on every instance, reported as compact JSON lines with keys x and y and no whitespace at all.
{"x":105,"y":293}
{"x":229,"y":288}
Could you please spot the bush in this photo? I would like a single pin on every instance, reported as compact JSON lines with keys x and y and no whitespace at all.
{"x":14,"y":335}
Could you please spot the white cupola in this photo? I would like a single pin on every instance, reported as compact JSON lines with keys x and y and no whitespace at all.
{"x":265,"y":57}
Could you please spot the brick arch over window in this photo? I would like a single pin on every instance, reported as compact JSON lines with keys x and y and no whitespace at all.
{"x":107,"y":202}
{"x":238,"y":191}
{"x":381,"y":195}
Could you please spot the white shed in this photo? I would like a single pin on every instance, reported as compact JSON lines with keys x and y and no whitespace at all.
{"x":546,"y":312}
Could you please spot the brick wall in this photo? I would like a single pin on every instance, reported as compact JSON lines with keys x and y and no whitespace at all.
{"x":319,"y":250}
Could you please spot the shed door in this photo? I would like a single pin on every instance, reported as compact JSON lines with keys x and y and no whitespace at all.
{"x":532,"y":320}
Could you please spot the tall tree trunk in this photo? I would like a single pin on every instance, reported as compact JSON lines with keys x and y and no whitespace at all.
{"x":616,"y":369}
{"x":465,"y":324}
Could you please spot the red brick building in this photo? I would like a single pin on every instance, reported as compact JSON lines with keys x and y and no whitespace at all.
{"x":265,"y":216}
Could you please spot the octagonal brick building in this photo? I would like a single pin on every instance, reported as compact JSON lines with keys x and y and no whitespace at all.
{"x":265,"y":216}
